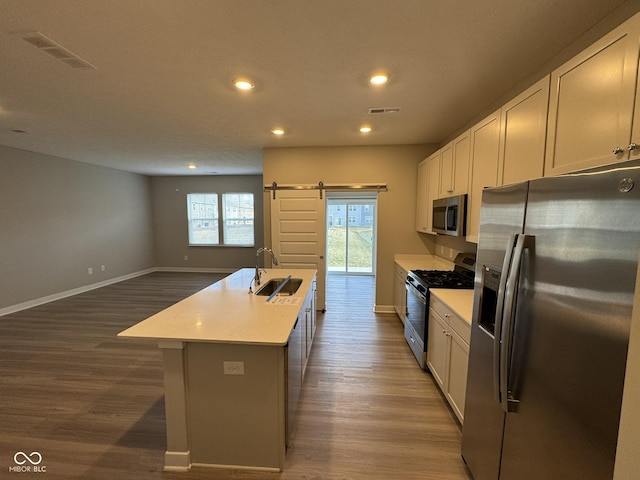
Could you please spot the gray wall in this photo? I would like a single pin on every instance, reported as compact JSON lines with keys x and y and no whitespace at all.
{"x":170,"y":222}
{"x":59,"y":217}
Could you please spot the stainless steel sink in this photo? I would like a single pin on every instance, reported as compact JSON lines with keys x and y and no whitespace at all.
{"x":289,"y":288}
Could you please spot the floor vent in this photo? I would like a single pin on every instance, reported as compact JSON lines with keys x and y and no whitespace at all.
{"x":56,"y":50}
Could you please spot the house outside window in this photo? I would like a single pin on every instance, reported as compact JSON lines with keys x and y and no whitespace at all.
{"x":204,"y":211}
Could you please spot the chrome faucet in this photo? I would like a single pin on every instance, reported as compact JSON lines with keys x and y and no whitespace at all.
{"x":273,"y":259}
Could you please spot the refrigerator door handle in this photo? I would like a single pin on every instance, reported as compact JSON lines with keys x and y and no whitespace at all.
{"x":508,"y":256}
{"x":522,"y":242}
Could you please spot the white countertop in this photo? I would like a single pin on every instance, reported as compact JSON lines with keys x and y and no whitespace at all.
{"x":226,"y":313}
{"x":422,"y":262}
{"x":458,"y":300}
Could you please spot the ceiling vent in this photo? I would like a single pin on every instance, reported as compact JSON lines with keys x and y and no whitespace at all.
{"x":378,"y":110}
{"x":56,"y":50}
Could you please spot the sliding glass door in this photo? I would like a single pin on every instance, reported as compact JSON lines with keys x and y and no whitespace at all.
{"x":351,"y":233}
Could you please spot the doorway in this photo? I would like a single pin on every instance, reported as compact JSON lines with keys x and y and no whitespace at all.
{"x":351,"y":233}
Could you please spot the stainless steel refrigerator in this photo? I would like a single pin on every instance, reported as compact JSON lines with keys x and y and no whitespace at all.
{"x":555,"y":277}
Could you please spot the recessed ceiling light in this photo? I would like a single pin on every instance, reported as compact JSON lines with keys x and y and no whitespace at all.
{"x":192,"y":166}
{"x":243,"y":84}
{"x":379,"y":78}
{"x":365,"y":129}
{"x":278,"y":131}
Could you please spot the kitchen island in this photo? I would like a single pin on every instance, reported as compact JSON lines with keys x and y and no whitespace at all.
{"x":233,"y":363}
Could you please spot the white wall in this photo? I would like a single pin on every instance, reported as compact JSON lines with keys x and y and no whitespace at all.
{"x":59,"y":217}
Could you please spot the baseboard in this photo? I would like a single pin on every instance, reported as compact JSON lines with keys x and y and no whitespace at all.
{"x":195,"y":270}
{"x":69,"y":293}
{"x":383,"y":309}
{"x":86,"y":288}
{"x":177,"y":461}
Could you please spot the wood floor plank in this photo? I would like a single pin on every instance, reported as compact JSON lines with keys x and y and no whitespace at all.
{"x":93,"y":404}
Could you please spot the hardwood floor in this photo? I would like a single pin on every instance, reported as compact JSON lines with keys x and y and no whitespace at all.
{"x":92,"y":405}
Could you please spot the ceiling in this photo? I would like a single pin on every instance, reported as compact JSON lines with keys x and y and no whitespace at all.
{"x":161,"y":94}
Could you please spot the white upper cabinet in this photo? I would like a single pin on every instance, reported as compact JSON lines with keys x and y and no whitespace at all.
{"x":485,"y":148}
{"x":428,"y":186}
{"x":592,"y":101}
{"x":454,"y":167}
{"x":634,"y":145}
{"x":433,"y":185}
{"x":445,"y":189}
{"x":523,"y":133}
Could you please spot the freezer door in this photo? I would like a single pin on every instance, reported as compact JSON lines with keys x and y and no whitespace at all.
{"x":572,"y":326}
{"x":502,"y":215}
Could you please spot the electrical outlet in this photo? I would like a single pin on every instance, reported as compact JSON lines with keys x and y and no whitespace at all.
{"x":102,"y":267}
{"x":233,"y":368}
{"x":90,"y":271}
{"x":186,"y":257}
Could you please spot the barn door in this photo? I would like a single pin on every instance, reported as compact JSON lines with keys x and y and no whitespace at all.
{"x":298,"y":233}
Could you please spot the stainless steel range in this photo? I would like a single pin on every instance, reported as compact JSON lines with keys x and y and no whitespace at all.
{"x":418,"y":283}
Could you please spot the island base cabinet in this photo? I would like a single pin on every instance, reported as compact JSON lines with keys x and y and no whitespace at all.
{"x":298,"y":352}
{"x":294,"y":361}
{"x":237,"y":419}
{"x":225,"y":356}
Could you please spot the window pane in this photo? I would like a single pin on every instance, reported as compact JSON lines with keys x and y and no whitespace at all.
{"x":202,"y":211}
{"x":238,"y":218}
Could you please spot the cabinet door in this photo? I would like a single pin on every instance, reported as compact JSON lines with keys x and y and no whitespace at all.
{"x":461,"y":153}
{"x":454,"y":167}
{"x":634,"y":145}
{"x":313,"y":308}
{"x":308,"y":313}
{"x":294,"y":374}
{"x":485,"y":148}
{"x":446,"y":171}
{"x":422,"y":213}
{"x":433,"y":187}
{"x":457,"y":381}
{"x":437,"y":349}
{"x":591,"y":103}
{"x":523,"y":134}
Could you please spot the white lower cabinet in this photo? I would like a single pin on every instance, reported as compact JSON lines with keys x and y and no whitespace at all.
{"x":448,"y":353}
{"x":438,"y":345}
{"x":400,"y":292}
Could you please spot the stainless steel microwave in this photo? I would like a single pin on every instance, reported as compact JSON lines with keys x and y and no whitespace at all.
{"x":449,"y":215}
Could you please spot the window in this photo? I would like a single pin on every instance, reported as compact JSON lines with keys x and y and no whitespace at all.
{"x":238,"y":218}
{"x":204,"y":212}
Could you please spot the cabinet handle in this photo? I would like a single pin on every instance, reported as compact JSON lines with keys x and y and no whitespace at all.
{"x":444,"y":331}
{"x":446,"y":315}
{"x":617,"y":150}
{"x":633,"y":146}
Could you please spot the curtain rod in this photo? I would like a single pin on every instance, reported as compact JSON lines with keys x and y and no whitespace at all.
{"x":322,"y":186}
